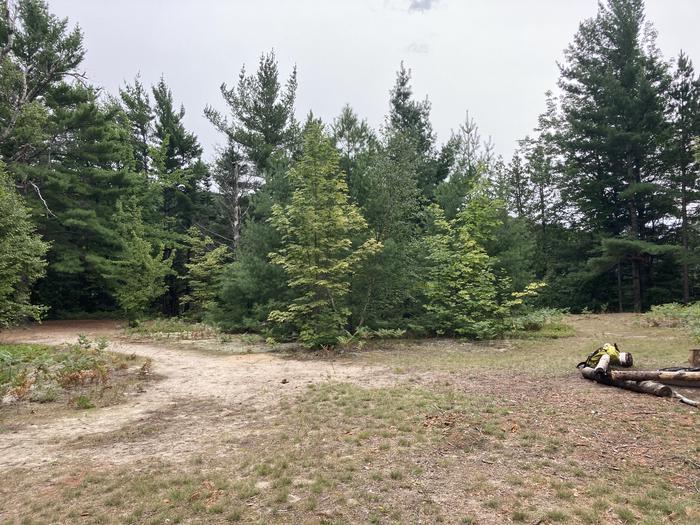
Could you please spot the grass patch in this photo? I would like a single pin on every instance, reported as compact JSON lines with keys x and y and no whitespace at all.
{"x":494,"y":432}
{"x":172,"y":328}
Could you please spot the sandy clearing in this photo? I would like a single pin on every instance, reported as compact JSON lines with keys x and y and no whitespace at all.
{"x":210,"y":395}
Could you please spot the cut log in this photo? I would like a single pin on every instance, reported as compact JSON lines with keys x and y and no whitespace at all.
{"x":694,"y":357}
{"x":601,"y":369}
{"x":655,"y":375}
{"x":645,"y":387}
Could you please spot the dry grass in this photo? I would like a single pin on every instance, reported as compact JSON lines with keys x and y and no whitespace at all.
{"x":494,"y":433}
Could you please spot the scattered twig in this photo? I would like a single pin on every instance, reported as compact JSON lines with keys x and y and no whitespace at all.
{"x":687,"y":401}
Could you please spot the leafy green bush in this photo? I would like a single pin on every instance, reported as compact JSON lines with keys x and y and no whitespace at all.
{"x":676,"y":315}
{"x":364,"y":334}
{"x":533,"y":320}
{"x":172,"y":327}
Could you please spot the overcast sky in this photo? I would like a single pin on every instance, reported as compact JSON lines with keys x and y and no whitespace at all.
{"x":494,"y":58}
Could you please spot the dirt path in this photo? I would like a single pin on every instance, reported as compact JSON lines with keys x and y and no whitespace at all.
{"x":199,"y":397}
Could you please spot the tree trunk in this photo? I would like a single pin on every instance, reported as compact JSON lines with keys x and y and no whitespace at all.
{"x":619,"y":287}
{"x":632,"y":178}
{"x":694,"y":357}
{"x":637,"y":284}
{"x":684,"y":234}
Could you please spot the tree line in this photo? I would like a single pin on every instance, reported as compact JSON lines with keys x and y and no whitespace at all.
{"x":315,"y":230}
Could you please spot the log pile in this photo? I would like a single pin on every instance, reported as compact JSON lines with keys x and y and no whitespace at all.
{"x":654,"y":382}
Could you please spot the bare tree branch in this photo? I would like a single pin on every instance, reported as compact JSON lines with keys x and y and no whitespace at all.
{"x":41,"y":197}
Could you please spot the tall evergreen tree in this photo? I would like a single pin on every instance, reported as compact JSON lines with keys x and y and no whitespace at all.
{"x":39,"y":51}
{"x":262,"y":138}
{"x":613,"y":82}
{"x":139,"y":114}
{"x":684,"y":115}
{"x":261,"y":114}
{"x":183,"y":180}
{"x":410,"y":118}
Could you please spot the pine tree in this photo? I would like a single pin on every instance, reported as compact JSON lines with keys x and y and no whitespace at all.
{"x":614,"y":81}
{"x":183,"y":179}
{"x":261,"y":143}
{"x":410,"y":119}
{"x":469,"y":164}
{"x":204,"y":269}
{"x":684,"y":115}
{"x":357,"y":144}
{"x":81,"y":176}
{"x":38,"y":53}
{"x":140,"y":116}
{"x":318,"y":227}
{"x":22,"y":254}
{"x":261,"y":120}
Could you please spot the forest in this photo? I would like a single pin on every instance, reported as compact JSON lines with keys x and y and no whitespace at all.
{"x":320,"y":232}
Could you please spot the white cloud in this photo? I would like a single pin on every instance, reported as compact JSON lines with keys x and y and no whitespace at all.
{"x":421,"y":5}
{"x":420,"y":48}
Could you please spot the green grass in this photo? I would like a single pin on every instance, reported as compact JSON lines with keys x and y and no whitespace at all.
{"x":495,"y":432}
{"x":557,"y":330}
{"x":652,"y":347}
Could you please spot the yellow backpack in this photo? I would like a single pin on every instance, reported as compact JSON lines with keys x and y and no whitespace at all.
{"x":616,"y":356}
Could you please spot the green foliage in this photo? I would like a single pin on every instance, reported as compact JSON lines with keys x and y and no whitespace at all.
{"x":140,"y":271}
{"x":461,"y":285}
{"x":674,"y":315}
{"x":386,"y":290}
{"x":359,"y":337}
{"x":600,"y":202}
{"x":172,"y":327}
{"x":206,"y":263}
{"x":317,"y":254}
{"x":43,"y":372}
{"x":536,"y":319}
{"x":83,"y":402}
{"x":21,"y":257}
{"x":262,"y":113}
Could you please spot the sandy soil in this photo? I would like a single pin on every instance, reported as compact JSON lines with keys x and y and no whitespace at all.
{"x":197,"y":396}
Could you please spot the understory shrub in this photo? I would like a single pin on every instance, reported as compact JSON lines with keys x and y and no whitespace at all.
{"x":40,"y":373}
{"x":676,"y":315}
{"x":536,"y":319}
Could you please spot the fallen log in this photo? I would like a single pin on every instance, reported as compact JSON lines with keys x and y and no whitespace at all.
{"x":645,"y":387}
{"x":656,"y":375}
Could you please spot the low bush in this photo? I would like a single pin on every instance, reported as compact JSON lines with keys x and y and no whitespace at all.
{"x":41,"y":373}
{"x":534,"y":320}
{"x":364,"y":334}
{"x":673,"y":315}
{"x":172,"y":328}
